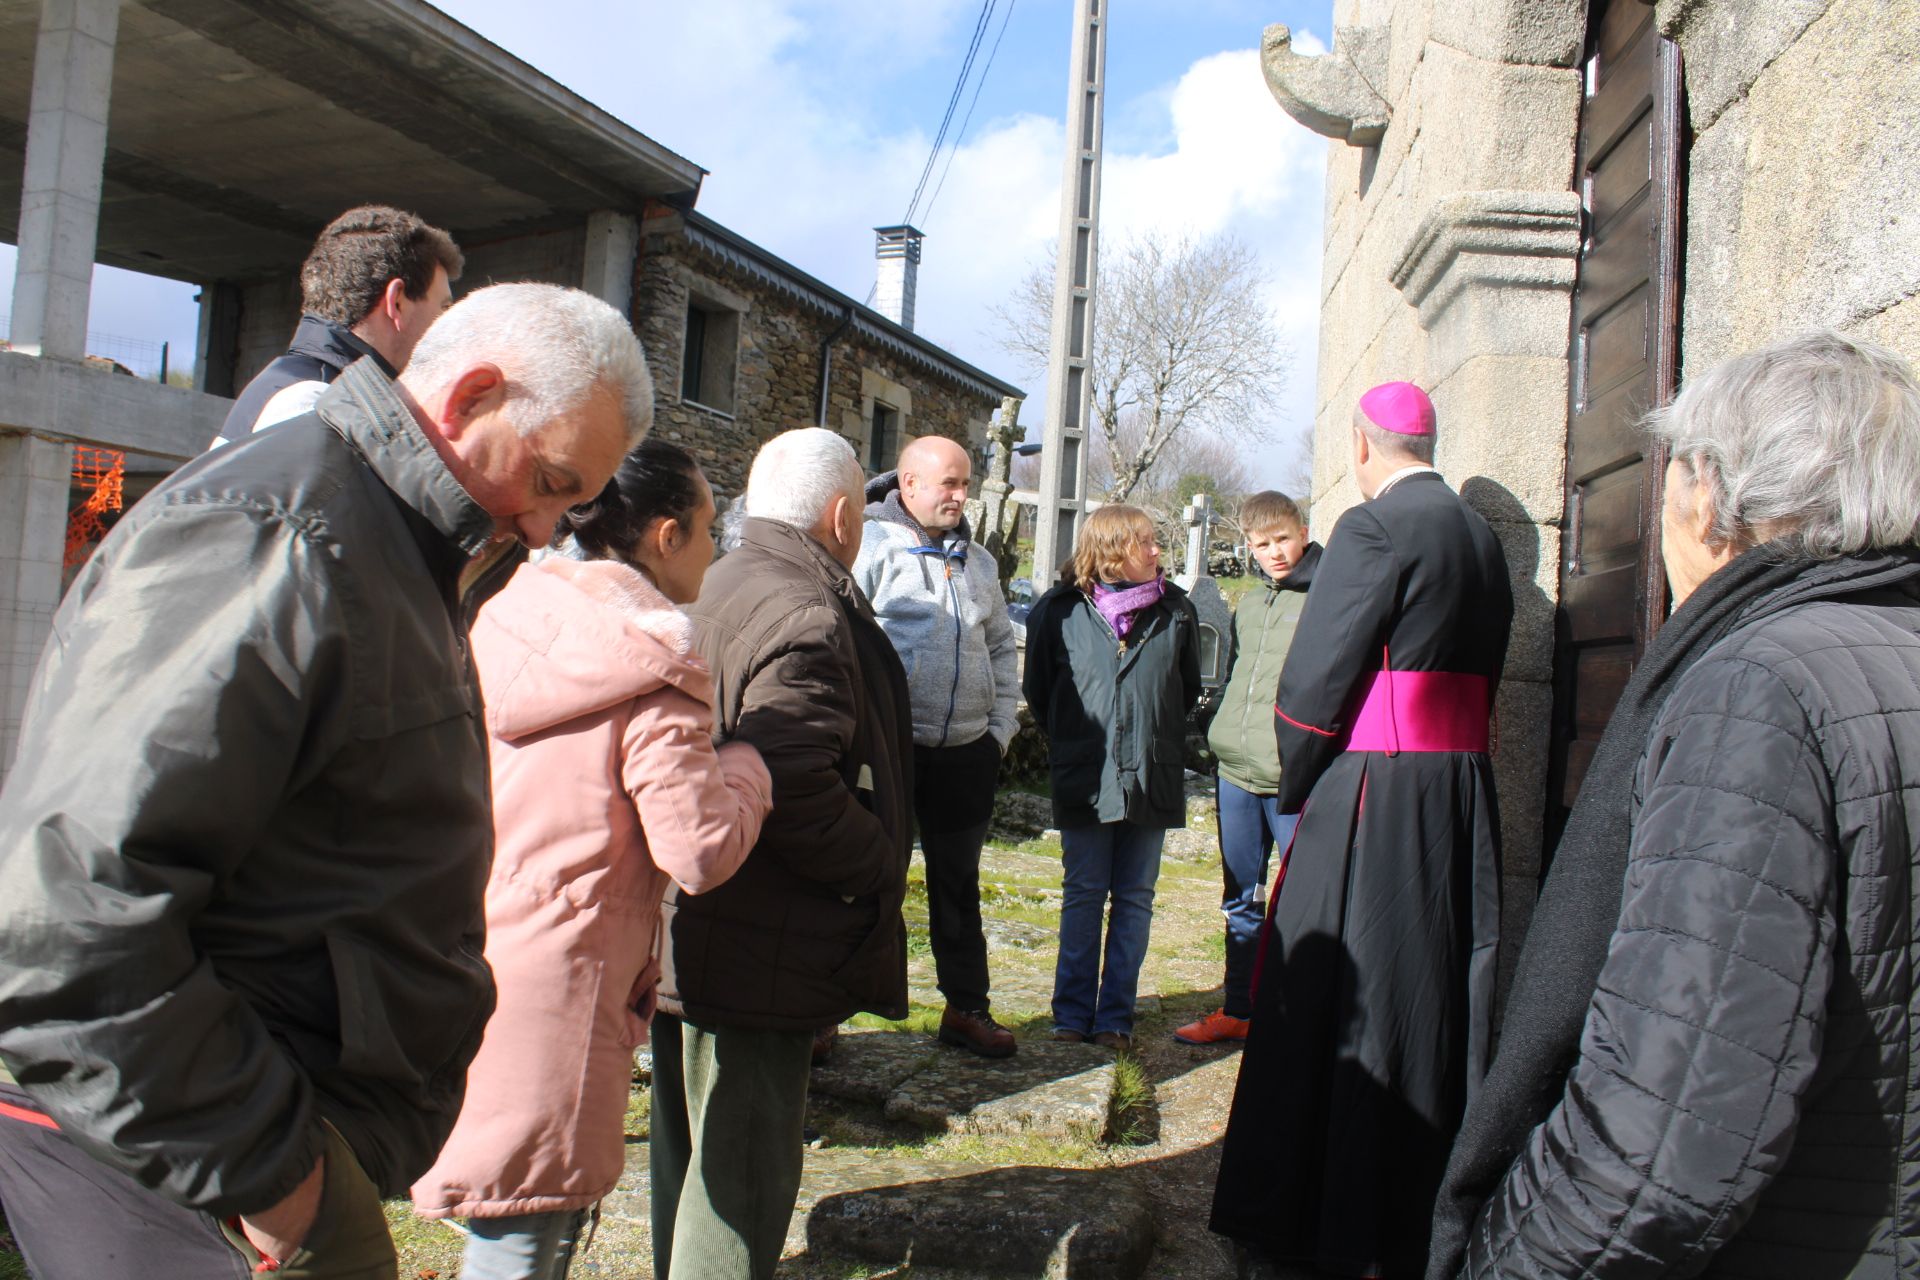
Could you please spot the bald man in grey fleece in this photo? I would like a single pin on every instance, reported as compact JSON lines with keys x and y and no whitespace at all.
{"x":937,"y":596}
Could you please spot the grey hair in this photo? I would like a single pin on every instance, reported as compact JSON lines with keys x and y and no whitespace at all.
{"x":1393,"y":443}
{"x":797,"y":475}
{"x":555,"y":345}
{"x":1812,"y":443}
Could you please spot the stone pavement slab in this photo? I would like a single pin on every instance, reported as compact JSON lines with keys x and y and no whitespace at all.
{"x":1061,"y":1224}
{"x":867,"y":1066}
{"x":1048,"y":1089}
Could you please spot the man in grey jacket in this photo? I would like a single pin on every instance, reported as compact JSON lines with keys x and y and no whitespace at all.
{"x":937,"y":596}
{"x":243,"y":849}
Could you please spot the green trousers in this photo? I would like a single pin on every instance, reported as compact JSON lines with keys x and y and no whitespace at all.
{"x":728,"y":1107}
{"x":349,"y":1239}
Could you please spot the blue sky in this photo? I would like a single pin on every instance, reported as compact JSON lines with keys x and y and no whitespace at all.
{"x":815,"y":118}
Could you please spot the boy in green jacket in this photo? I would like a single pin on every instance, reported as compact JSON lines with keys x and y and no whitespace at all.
{"x":1249,"y":757}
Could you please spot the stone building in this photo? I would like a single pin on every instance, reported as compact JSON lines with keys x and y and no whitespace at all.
{"x":1546,"y":212}
{"x":744,"y":346}
{"x":208,"y":141}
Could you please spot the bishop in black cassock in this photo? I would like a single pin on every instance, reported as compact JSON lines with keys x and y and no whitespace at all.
{"x":1373,"y":1001}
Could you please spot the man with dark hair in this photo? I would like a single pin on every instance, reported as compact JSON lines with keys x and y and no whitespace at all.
{"x":377,"y":277}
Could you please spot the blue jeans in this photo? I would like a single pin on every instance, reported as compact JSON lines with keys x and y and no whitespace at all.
{"x":1117,"y":863}
{"x":527,"y":1246}
{"x":1250,"y":825}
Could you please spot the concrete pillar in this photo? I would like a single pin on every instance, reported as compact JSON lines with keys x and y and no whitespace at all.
{"x":1063,"y":463}
{"x":60,"y":196}
{"x":34,"y":477}
{"x":612,"y":241}
{"x":218,"y":348}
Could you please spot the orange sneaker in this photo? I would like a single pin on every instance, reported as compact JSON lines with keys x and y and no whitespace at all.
{"x":1215,"y":1028}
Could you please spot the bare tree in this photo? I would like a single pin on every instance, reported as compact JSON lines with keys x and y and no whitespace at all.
{"x":1183,"y":343}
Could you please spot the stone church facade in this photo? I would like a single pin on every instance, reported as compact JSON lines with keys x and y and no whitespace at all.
{"x":1547,"y":212}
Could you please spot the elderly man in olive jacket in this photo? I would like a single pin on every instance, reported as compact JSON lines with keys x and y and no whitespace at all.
{"x":808,"y":932}
{"x":243,"y":847}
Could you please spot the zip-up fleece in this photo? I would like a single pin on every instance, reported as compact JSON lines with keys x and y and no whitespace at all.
{"x":1241,"y":736}
{"x":939,"y":602}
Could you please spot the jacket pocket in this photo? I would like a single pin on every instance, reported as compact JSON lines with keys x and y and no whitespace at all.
{"x":1076,"y":774}
{"x":875,"y":930}
{"x":414,"y":709}
{"x":400,"y":1023}
{"x":1166,"y":778}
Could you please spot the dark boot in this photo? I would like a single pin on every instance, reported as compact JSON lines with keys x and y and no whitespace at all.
{"x":976,"y":1032}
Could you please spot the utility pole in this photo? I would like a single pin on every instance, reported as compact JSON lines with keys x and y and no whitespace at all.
{"x":1063,"y":462}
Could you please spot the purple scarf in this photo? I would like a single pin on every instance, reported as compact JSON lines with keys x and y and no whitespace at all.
{"x":1120,"y":606}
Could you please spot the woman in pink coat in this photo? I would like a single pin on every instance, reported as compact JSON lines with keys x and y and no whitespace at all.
{"x":605,"y":783}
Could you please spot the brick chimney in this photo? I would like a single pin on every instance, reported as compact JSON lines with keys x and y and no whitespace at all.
{"x":898,"y":251}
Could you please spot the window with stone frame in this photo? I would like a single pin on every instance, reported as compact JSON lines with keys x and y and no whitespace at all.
{"x":710,"y":355}
{"x":883,"y":438}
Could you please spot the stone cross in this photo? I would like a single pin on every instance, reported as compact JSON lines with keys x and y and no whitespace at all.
{"x":1199,"y":532}
{"x":1000,"y":513}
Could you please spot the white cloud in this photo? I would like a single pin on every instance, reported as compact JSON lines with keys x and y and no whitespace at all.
{"x":1237,"y":163}
{"x":770,"y":96}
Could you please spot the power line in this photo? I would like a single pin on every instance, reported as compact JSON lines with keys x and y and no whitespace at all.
{"x":953,"y":103}
{"x":967,"y":119}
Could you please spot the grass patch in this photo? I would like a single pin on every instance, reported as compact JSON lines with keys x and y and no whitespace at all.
{"x":1234,"y":588}
{"x":1127,"y":1109}
{"x":1215,"y":947}
{"x":12,"y":1265}
{"x":1025,"y":1148}
{"x":638,"y":1125}
{"x":428,"y":1248}
{"x":924,"y":1018}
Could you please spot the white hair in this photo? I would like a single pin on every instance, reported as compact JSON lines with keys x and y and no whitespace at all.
{"x":797,"y":475}
{"x":1812,"y":442}
{"x":555,"y":345}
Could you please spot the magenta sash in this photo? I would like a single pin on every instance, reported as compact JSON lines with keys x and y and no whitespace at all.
{"x":1422,"y":711}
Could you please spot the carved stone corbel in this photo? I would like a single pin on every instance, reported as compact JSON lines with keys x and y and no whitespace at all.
{"x":1524,"y":239}
{"x":1328,"y":93}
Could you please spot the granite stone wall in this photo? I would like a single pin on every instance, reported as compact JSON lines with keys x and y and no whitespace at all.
{"x":1451,"y":246}
{"x":776,"y":381}
{"x":1803,"y":194}
{"x":1449,"y":261}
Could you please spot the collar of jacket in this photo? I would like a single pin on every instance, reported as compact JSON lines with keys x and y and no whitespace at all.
{"x":883,"y":503}
{"x":802,"y":549}
{"x":1303,"y":569}
{"x":363,"y":406}
{"x":335,"y":345}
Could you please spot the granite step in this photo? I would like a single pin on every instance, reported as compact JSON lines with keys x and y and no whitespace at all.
{"x":972,"y":1220}
{"x":1048,"y":1089}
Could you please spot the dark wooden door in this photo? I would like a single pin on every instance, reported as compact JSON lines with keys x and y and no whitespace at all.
{"x":1613,"y":591}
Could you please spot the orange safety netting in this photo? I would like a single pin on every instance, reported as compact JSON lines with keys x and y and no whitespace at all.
{"x":101,"y":474}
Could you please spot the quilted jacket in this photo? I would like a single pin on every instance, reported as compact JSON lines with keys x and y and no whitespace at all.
{"x":1744,"y":1102}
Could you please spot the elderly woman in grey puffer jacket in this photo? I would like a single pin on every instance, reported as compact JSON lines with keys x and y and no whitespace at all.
{"x":1742,"y":1024}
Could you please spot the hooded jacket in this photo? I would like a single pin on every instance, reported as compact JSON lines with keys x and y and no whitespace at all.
{"x":290,"y":384}
{"x":939,"y":601}
{"x":606,"y":785}
{"x":1241,"y":735}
